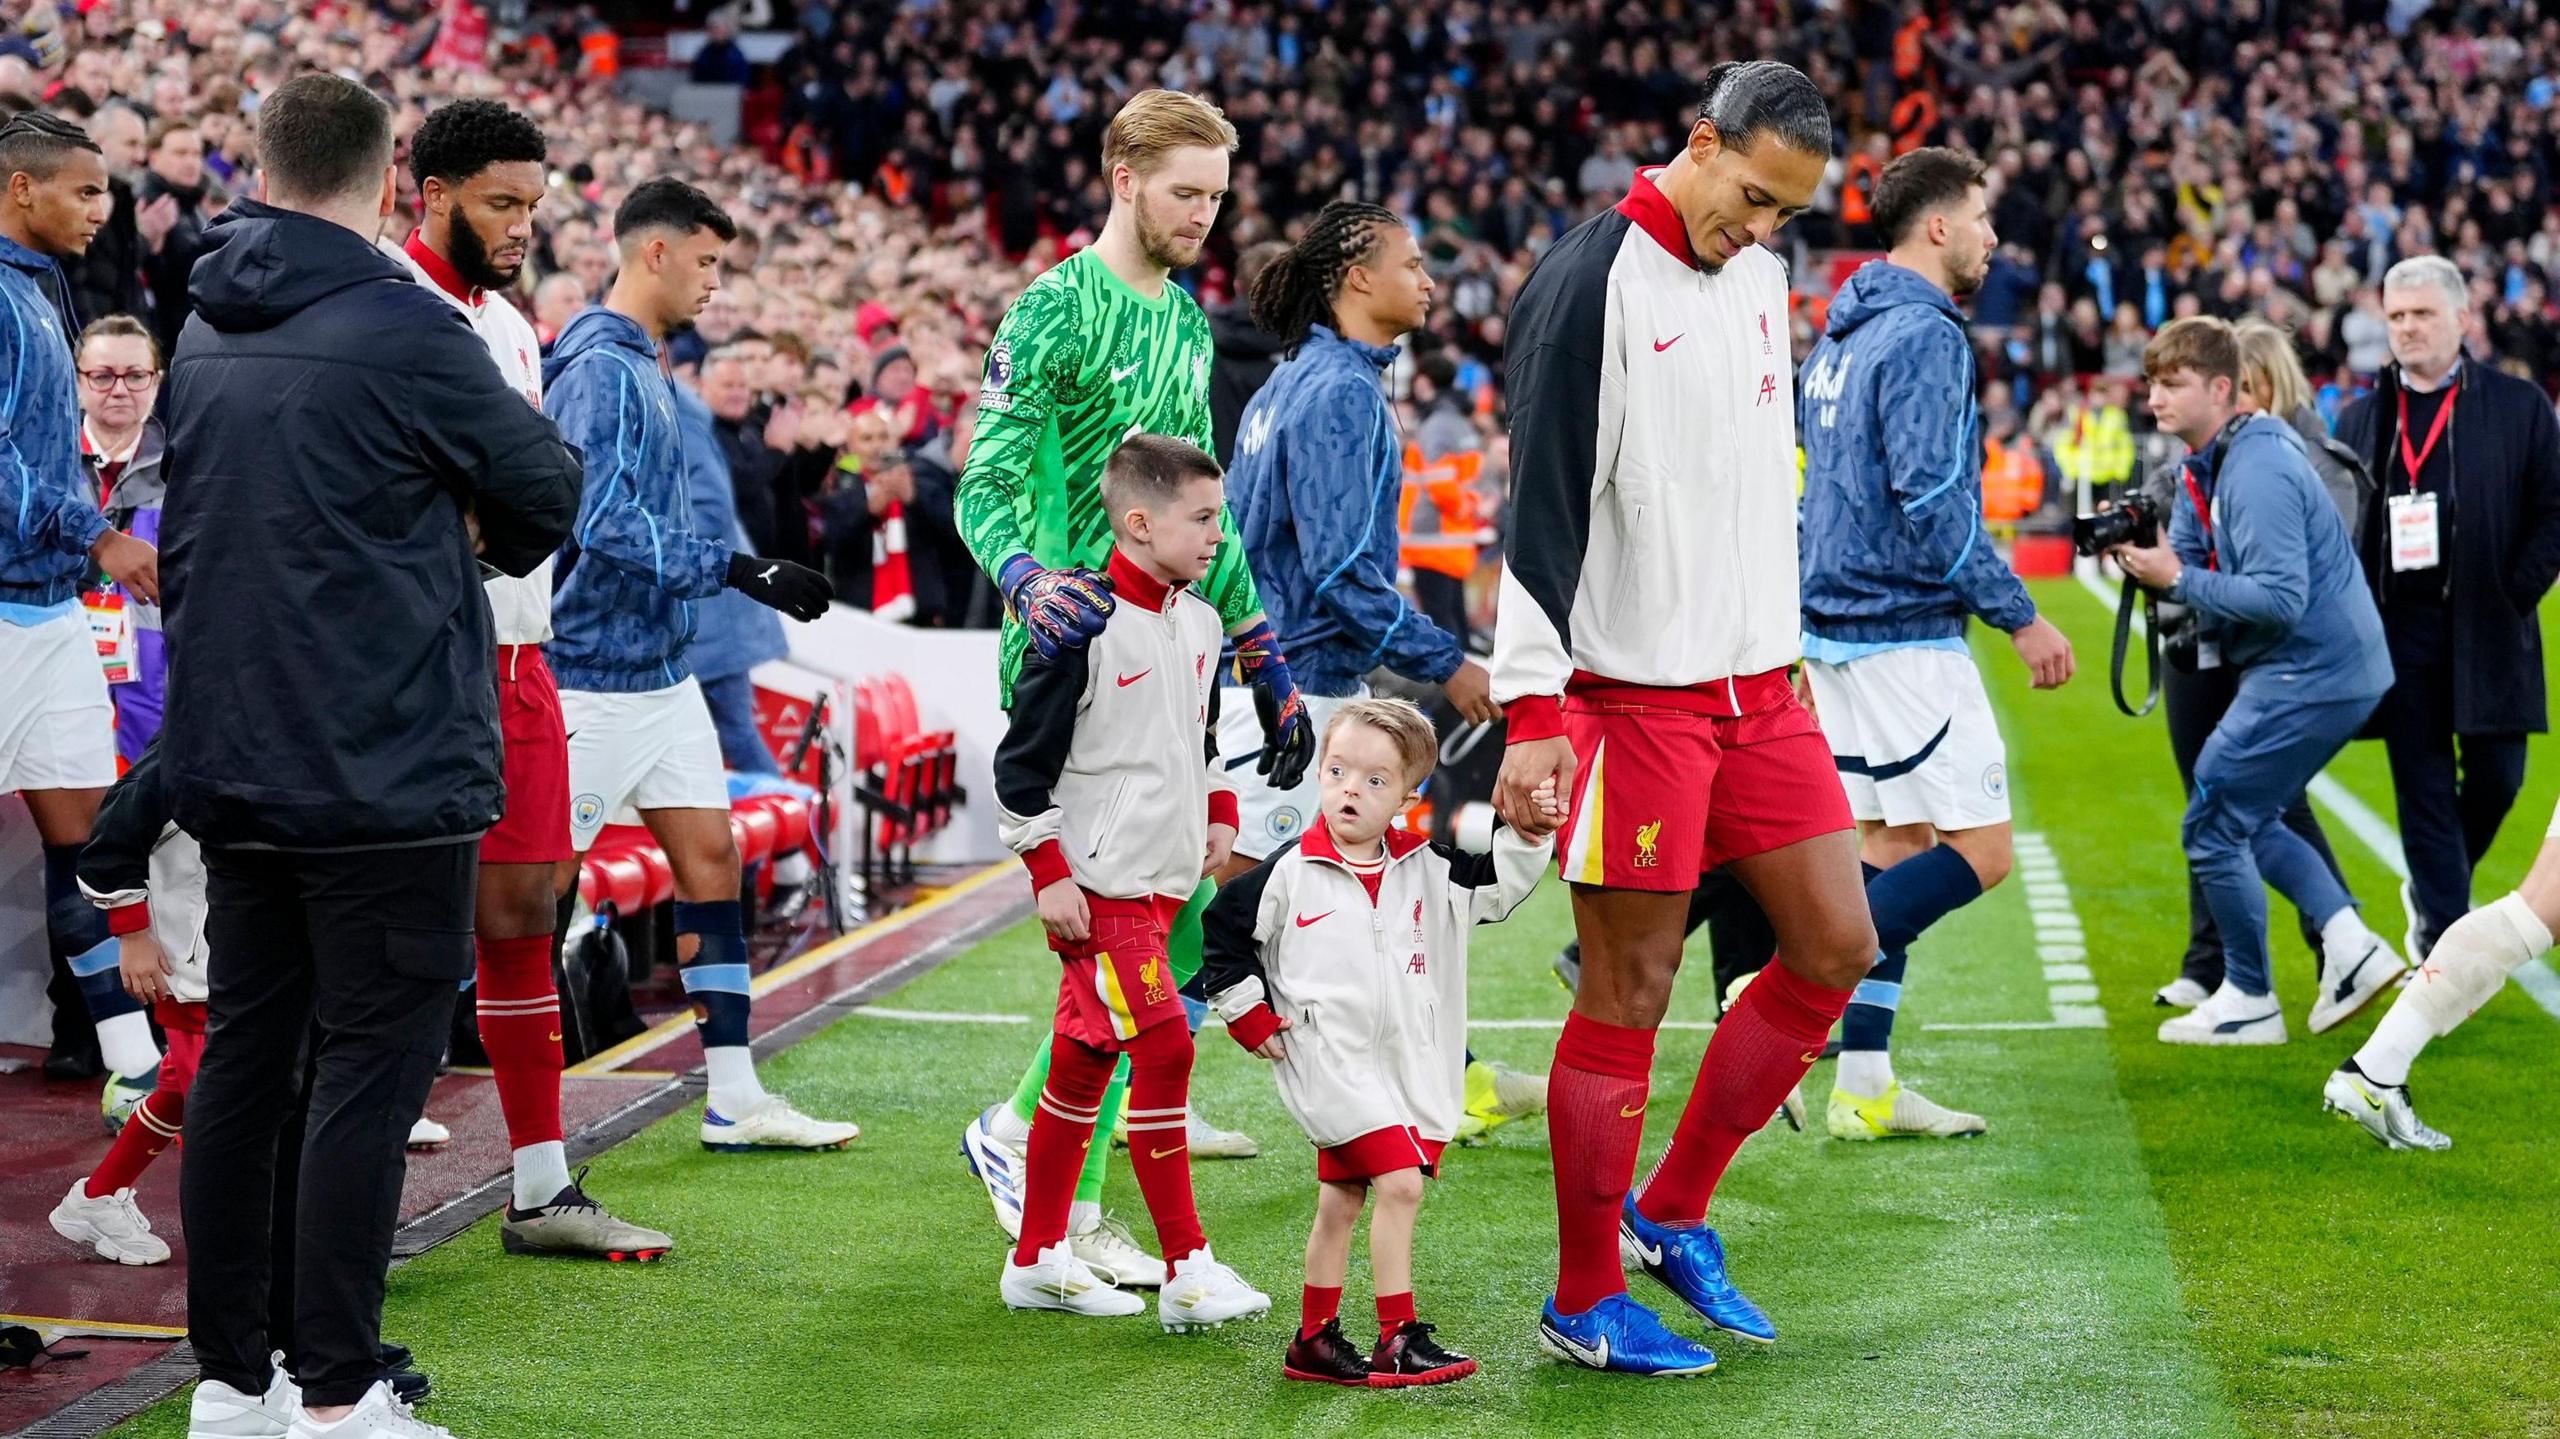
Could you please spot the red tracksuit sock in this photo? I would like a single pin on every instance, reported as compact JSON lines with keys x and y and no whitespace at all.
{"x":1595,"y":1123}
{"x":1061,"y":1127}
{"x":154,"y":1124}
{"x":1318,"y":1307}
{"x":1159,"y":1141}
{"x":1761,"y":1049}
{"x":520,"y":1027}
{"x":1395,"y":1311}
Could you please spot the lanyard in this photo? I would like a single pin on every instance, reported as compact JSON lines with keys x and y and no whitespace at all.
{"x":2411,"y":460}
{"x":2204,"y":516}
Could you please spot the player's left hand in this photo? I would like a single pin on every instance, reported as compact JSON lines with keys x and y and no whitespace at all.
{"x":1288,"y":740}
{"x":2153,"y":568}
{"x":2046,"y":651}
{"x":1222,"y":847}
{"x":1272,"y":1048}
{"x":143,"y":967}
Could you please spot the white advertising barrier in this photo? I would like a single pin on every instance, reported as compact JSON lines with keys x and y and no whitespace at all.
{"x":953,"y":673}
{"x":26,"y":1016}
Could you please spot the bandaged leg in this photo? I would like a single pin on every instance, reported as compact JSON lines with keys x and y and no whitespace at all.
{"x":2462,"y":973}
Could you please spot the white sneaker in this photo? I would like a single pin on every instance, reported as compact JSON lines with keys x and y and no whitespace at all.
{"x":111,"y":1224}
{"x":2228,"y":1016}
{"x":378,"y":1415}
{"x":2181,"y":993}
{"x":427,"y":1134}
{"x":219,"y":1411}
{"x":2349,"y":982}
{"x":2383,"y":1110}
{"x":1793,"y":1108}
{"x":1204,"y":1294}
{"x":1112,"y":1252}
{"x":1208,"y":1141}
{"x":773,"y":1124}
{"x":998,"y":1166}
{"x":1061,"y":1281}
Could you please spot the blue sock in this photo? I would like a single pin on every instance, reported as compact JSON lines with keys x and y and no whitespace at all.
{"x":1905,"y":900}
{"x":76,"y":931}
{"x":716,"y":978}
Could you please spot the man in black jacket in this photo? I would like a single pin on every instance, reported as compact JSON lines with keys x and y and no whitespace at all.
{"x":337,"y":437}
{"x":2460,"y":545}
{"x":107,"y":280}
{"x":1246,"y":351}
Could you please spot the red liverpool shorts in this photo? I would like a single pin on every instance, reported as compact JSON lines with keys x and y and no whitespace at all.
{"x":535,"y":827}
{"x":1676,"y":782}
{"x":1117,"y":984}
{"x":1380,"y":1151}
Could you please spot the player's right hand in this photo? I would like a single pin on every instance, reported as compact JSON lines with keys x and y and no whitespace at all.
{"x":1526,"y":767}
{"x":1470,"y":690}
{"x":796,"y":590}
{"x":1063,"y":609}
{"x":1064,"y":913}
{"x":131,"y":563}
{"x":2046,"y":651}
{"x":143,"y":968}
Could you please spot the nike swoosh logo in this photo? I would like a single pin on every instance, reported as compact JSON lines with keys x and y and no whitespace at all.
{"x":1165,"y":1153}
{"x":1304,"y":921}
{"x":1661,"y":345}
{"x":2347,"y":982}
{"x":1811,"y":1058}
{"x":1631,"y":1113}
{"x":1128,"y":680}
{"x":1651,"y":1254}
{"x":1118,"y":375}
{"x":555,"y":1036}
{"x":1595,"y":1355}
{"x":2367,"y":1096}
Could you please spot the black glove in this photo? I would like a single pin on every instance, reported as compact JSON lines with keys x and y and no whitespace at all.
{"x":796,"y":590}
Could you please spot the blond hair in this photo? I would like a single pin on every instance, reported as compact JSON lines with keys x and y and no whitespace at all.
{"x":1400,"y":721}
{"x":2270,"y":370}
{"x":1155,"y":123}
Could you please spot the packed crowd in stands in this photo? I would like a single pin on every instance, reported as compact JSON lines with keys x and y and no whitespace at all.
{"x":904,"y":171}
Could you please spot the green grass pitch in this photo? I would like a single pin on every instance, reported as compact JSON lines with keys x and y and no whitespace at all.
{"x":2150,"y":1241}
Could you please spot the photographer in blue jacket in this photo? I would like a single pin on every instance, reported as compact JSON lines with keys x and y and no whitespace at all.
{"x":2257,"y":549}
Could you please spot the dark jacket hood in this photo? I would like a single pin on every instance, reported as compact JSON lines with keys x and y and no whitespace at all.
{"x":1234,"y":334}
{"x":1879,"y":286}
{"x":591,"y":328}
{"x":268,"y":265}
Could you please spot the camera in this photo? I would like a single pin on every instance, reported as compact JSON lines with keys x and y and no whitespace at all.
{"x":2135,"y":522}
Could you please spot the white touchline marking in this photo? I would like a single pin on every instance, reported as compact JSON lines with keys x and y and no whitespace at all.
{"x":938,"y":1016}
{"x":2375,"y":834}
{"x":2061,"y":944}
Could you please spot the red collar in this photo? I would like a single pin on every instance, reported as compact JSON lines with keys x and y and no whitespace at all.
{"x":441,"y":270}
{"x":1653,"y":213}
{"x":1317,"y":843}
{"x":1131,"y":582}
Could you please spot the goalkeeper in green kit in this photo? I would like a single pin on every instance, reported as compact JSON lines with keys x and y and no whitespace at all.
{"x":1102,"y":346}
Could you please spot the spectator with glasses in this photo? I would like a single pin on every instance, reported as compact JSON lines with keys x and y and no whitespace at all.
{"x":119,"y":369}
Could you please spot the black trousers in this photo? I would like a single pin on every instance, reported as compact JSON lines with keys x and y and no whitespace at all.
{"x":2453,"y":791}
{"x":1443,"y":601}
{"x":335,"y":971}
{"x":2194,"y":702}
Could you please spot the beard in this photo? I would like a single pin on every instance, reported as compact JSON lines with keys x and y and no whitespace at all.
{"x":1161,"y":245}
{"x":471,"y":260}
{"x":1967,"y":280}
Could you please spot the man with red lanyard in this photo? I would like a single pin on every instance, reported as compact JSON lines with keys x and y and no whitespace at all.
{"x":479,"y":171}
{"x":2468,"y":541}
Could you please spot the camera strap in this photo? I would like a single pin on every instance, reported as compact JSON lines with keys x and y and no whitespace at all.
{"x":2150,"y":649}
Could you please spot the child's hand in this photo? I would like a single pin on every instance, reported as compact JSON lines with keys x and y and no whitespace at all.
{"x":144,"y":969}
{"x":1272,"y":1048}
{"x":1550,"y":808}
{"x":1064,"y":913}
{"x":1222,"y":847}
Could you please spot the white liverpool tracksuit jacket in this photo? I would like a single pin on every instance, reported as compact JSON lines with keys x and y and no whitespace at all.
{"x":1106,"y":773}
{"x":1375,"y":994}
{"x":1653,"y":532}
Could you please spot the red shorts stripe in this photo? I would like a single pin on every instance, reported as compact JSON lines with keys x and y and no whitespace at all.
{"x":535,"y":826}
{"x":1118,"y":984}
{"x":1380,"y":1151}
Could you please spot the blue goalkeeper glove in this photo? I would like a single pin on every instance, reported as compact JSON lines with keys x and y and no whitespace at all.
{"x":1063,"y":609}
{"x":1288,"y":741}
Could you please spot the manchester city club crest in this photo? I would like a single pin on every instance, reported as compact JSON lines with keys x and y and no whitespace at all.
{"x":1286,"y":821}
{"x":587,"y":809}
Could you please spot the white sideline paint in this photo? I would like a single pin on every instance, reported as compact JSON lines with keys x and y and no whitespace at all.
{"x":2061,"y":946}
{"x":2371,"y":830}
{"x":947,"y":1016}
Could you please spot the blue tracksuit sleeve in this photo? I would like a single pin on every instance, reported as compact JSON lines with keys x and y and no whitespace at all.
{"x":2264,"y":577}
{"x":1933,"y":470}
{"x":1345,"y":476}
{"x":628,"y":516}
{"x":46,"y":506}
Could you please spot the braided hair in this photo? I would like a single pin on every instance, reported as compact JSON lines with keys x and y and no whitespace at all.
{"x":1742,"y":98}
{"x":35,"y":142}
{"x":1295,"y":292}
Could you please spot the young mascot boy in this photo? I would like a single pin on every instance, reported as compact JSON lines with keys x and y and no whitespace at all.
{"x":1343,"y":960}
{"x":1107,"y":793}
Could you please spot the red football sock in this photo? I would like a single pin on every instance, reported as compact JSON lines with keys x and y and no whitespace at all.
{"x":1061,"y":1128}
{"x":1319,"y":1307}
{"x":1159,"y":1142}
{"x":1395,"y":1311}
{"x":154,"y":1124}
{"x":1761,"y":1049}
{"x":1595,"y":1123}
{"x":520,"y":1027}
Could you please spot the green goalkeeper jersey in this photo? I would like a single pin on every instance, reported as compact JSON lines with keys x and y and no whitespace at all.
{"x":1080,"y":363}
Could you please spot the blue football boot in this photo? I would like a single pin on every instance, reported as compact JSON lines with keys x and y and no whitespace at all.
{"x":1690,"y":1263}
{"x":1623,"y":1337}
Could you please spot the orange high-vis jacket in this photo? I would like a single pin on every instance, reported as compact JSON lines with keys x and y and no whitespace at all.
{"x":1444,"y":539}
{"x":2012,"y":481}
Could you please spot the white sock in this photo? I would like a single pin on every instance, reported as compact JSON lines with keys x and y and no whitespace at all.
{"x":1008,"y":1128}
{"x":2462,"y":973}
{"x":124,"y":1043}
{"x":542,"y":1171}
{"x":2345,"y":932}
{"x":734,"y":1086}
{"x":1865,"y":1073}
{"x":791,"y":870}
{"x":1082,"y":1215}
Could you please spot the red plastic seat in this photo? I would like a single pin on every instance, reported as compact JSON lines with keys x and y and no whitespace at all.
{"x":869,"y":749}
